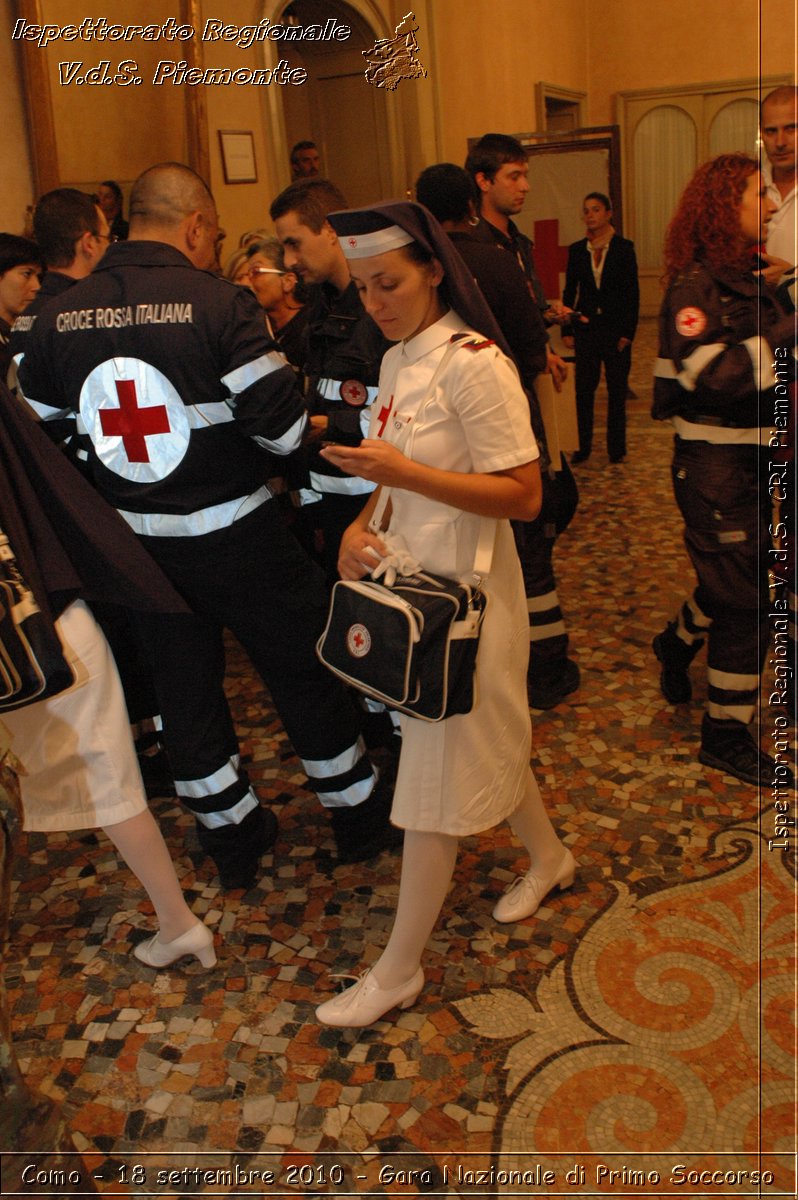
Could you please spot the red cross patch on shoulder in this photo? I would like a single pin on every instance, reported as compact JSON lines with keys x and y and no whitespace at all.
{"x":691,"y":322}
{"x":354,"y":392}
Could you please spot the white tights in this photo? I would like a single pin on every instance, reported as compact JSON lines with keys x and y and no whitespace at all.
{"x":141,"y":845}
{"x":428,"y":862}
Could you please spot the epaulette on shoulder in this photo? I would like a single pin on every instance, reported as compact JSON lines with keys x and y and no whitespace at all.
{"x":473,"y":343}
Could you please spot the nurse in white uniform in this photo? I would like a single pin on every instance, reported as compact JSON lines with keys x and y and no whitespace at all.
{"x":467,"y":453}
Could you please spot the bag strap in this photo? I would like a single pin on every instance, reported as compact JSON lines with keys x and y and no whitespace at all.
{"x":483,"y":555}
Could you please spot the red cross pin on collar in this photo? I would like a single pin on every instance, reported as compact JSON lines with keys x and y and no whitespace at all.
{"x":133,"y":424}
{"x":691,"y":322}
{"x":353,"y":241}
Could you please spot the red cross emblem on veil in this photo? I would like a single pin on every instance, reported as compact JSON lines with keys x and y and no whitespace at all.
{"x":133,"y":424}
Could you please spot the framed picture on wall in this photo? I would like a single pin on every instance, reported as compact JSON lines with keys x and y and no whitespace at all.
{"x":238,"y":156}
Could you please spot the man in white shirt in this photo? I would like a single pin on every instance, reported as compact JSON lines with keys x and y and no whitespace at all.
{"x":777,"y":124}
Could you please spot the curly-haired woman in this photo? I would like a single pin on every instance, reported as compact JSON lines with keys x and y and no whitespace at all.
{"x":725,"y":349}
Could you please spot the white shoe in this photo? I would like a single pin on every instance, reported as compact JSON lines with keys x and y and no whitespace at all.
{"x":365,"y":1002}
{"x":198,"y":940}
{"x":526,"y":894}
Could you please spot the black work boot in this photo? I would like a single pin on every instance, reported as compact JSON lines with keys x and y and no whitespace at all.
{"x":675,"y":657}
{"x":547,"y":683}
{"x":237,"y":849}
{"x":728,"y":746}
{"x":363,"y":830}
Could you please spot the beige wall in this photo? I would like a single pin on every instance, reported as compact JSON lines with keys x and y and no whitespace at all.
{"x":17,"y":190}
{"x":483,"y":60}
{"x":635,"y":44}
{"x":488,"y":56}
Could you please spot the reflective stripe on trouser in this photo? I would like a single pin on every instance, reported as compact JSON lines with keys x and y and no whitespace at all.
{"x":726,"y":512}
{"x":545,"y":617}
{"x":377,"y":706}
{"x":731,"y":696}
{"x":692,"y":625}
{"x":255,"y":580}
{"x":548,"y":635}
{"x":227,"y":787}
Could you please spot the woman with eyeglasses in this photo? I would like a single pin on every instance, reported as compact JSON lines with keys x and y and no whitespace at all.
{"x":279,"y":295}
{"x":236,"y":269}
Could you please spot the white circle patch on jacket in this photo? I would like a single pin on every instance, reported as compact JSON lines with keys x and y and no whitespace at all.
{"x":135,"y":419}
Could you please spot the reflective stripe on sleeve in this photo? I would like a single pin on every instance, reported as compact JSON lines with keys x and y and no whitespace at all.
{"x":46,"y":412}
{"x":243,"y":377}
{"x":204,"y":520}
{"x":286,"y":442}
{"x":762,"y":361}
{"x":351,"y":486}
{"x":698,"y":361}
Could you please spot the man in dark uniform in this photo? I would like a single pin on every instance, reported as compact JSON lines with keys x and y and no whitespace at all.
{"x":182,"y":401}
{"x":73,"y":234}
{"x":498,"y":166}
{"x":343,"y":352}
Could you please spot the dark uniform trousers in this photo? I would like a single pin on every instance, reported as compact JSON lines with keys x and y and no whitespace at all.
{"x":254,"y":579}
{"x":594,"y":347}
{"x":534,"y":540}
{"x":726,"y":510}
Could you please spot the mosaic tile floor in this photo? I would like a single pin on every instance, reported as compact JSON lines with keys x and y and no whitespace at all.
{"x":642,"y":1020}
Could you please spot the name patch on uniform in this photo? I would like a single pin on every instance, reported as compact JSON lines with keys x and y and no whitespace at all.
{"x":691,"y":322}
{"x":124,"y":315}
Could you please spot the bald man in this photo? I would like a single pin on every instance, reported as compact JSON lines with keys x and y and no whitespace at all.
{"x":183,"y":401}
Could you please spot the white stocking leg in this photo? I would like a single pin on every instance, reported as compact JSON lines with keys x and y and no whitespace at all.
{"x":531,"y":825}
{"x":141,"y":845}
{"x":427,"y":867}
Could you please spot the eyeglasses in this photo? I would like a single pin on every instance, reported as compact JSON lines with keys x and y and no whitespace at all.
{"x":264,"y":271}
{"x":109,"y":237}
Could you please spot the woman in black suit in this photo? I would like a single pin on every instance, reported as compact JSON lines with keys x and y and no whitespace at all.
{"x":601,"y":285}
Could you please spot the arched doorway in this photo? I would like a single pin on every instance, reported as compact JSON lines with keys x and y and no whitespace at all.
{"x":355,"y":126}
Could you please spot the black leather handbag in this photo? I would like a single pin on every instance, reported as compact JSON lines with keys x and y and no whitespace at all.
{"x":32,"y":663}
